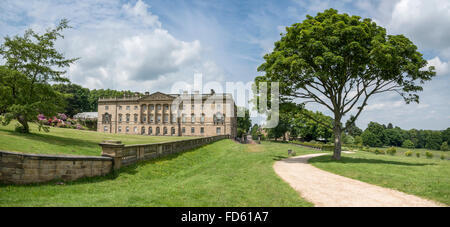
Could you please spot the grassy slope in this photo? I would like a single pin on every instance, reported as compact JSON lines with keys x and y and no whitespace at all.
{"x":418,"y":176}
{"x":221,"y":174}
{"x":67,"y":141}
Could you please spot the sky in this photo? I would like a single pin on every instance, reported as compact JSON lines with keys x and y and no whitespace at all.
{"x":147,"y":45}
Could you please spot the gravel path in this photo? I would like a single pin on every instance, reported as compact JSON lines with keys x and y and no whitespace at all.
{"x":327,"y":189}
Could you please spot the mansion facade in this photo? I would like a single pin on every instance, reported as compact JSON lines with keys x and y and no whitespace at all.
{"x":160,"y":114}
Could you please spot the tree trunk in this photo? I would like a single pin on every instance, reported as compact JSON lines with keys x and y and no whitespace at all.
{"x":337,"y":142}
{"x":24,"y":123}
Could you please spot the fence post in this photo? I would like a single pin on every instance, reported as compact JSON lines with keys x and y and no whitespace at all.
{"x":113,"y":149}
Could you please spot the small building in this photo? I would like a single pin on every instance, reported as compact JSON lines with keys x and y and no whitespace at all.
{"x":86,"y":116}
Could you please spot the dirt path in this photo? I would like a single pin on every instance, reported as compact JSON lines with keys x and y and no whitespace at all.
{"x":327,"y":189}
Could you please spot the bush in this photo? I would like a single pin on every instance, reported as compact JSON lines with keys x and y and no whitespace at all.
{"x":429,"y":154}
{"x":442,"y":156}
{"x":376,"y":151}
{"x":327,"y":147}
{"x":444,"y":146}
{"x":391,"y":151}
{"x":418,"y":154}
{"x":408,"y":153}
{"x":408,"y":144}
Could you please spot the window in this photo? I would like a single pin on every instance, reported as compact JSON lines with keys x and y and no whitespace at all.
{"x":128,"y":107}
{"x":166,"y":107}
{"x":218,"y":118}
{"x":128,"y":118}
{"x":152,"y":107}
{"x":135,"y":107}
{"x":183,"y":118}
{"x":143,"y":130}
{"x":135,"y":118}
{"x":150,"y":130}
{"x":120,"y":107}
{"x":166,"y":118}
{"x":106,"y":118}
{"x":218,"y":129}
{"x":120,"y":128}
{"x":135,"y":129}
{"x":106,"y":107}
{"x":173,"y":131}
{"x":192,"y":130}
{"x":105,"y":128}
{"x":158,"y":119}
{"x":144,"y":107}
{"x":174,"y":118}
{"x":192,"y":107}
{"x":144,"y":118}
{"x":165,"y":131}
{"x":202,"y":130}
{"x":192,"y":118}
{"x":183,"y":130}
{"x":151,"y":118}
{"x":157,"y":130}
{"x":202,"y":118}
{"x":158,"y":107}
{"x":127,"y":129}
{"x":120,"y":118}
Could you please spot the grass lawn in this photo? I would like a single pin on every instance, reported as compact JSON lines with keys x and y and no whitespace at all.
{"x":224,"y":173}
{"x":67,"y":141}
{"x":427,"y":178}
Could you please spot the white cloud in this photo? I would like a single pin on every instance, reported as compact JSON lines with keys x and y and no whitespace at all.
{"x":425,"y":22}
{"x":121,"y":45}
{"x":442,"y":68}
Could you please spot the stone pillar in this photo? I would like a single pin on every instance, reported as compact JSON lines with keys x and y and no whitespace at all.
{"x":113,"y":149}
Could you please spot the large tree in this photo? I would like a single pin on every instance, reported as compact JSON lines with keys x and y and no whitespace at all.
{"x":76,"y":98}
{"x":243,"y":123}
{"x":340,"y":61}
{"x":32,"y":63}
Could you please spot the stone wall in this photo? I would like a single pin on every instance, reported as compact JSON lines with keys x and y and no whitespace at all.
{"x":125,"y":155}
{"x":17,"y":168}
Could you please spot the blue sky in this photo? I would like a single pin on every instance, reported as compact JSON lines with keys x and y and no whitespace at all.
{"x":148,"y":45}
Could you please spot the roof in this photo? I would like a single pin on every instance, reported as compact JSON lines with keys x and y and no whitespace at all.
{"x":86,"y":115}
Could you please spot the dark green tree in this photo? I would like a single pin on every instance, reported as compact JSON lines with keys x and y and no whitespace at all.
{"x":32,"y":63}
{"x":243,"y":123}
{"x":76,"y":98}
{"x":352,"y":129}
{"x":340,"y":61}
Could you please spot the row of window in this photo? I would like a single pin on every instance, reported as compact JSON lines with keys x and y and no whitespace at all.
{"x":217,"y":117}
{"x":166,"y":107}
{"x":158,"y":132}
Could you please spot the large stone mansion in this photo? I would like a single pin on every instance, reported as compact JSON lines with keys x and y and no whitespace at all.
{"x":162,"y":114}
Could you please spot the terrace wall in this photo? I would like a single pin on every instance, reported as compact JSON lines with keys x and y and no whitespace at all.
{"x":18,"y":168}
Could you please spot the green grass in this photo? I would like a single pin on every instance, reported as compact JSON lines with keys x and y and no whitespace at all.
{"x":68,"y":141}
{"x":224,"y":173}
{"x":427,"y":178}
{"x":401,"y":152}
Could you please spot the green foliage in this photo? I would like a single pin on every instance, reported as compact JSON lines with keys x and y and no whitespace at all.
{"x":243,"y":123}
{"x":95,"y":94}
{"x":429,"y":154}
{"x":347,"y":139}
{"x":340,"y":61}
{"x":352,"y":129}
{"x":408,"y":144}
{"x":358,"y":140}
{"x":371,"y":139}
{"x":442,"y":157}
{"x":304,"y":123}
{"x":31,"y":64}
{"x":444,"y":146}
{"x":76,"y":98}
{"x":391,"y":151}
{"x":408,"y":153}
{"x":418,"y":154}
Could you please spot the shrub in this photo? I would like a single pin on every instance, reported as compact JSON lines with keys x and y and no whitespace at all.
{"x":444,"y":146}
{"x":408,"y":144}
{"x":442,"y":156}
{"x":327,"y":147}
{"x":376,"y":151}
{"x":429,"y":154}
{"x":408,"y":153}
{"x":391,"y":151}
{"x":418,"y":154}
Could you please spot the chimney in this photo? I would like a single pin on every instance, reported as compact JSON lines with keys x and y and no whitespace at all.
{"x":213,"y":92}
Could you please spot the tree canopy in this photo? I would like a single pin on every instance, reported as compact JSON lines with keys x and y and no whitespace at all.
{"x":32,"y":63}
{"x":340,"y":61}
